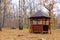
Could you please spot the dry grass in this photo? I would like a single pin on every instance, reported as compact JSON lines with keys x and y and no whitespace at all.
{"x":15,"y":34}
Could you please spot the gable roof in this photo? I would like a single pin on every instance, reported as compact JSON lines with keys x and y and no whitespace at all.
{"x":40,"y":14}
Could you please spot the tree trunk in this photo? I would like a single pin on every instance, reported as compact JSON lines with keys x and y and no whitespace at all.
{"x":0,"y":18}
{"x":3,"y":19}
{"x":20,"y":24}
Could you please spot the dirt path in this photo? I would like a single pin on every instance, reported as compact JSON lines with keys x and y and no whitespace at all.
{"x":15,"y":34}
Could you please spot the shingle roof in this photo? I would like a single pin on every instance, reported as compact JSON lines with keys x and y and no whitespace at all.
{"x":40,"y":14}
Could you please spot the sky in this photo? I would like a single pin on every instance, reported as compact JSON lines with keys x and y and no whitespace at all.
{"x":15,"y":2}
{"x":56,"y":8}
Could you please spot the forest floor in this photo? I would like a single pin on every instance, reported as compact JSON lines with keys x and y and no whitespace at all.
{"x":15,"y":34}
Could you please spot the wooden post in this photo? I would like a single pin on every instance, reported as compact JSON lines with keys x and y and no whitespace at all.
{"x":42,"y":27}
{"x":49,"y":27}
{"x":30,"y":30}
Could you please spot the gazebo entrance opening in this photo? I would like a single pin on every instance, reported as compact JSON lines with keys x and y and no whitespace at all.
{"x":45,"y":27}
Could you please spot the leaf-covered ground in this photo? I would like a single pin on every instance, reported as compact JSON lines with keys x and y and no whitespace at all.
{"x":15,"y":34}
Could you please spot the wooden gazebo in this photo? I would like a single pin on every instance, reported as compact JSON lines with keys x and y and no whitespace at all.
{"x":40,"y":22}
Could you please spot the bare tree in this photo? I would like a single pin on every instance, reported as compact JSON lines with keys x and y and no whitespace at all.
{"x":20,"y":24}
{"x":4,"y":13}
{"x":5,"y":5}
{"x":24,"y":12}
{"x":49,"y":7}
{"x":0,"y":18}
